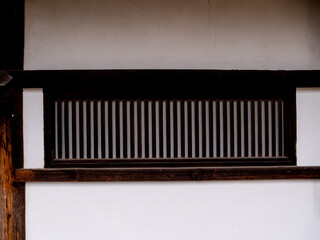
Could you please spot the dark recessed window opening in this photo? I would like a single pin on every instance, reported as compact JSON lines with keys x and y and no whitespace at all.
{"x":113,"y":131}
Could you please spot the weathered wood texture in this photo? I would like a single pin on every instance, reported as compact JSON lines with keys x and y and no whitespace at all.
{"x":12,"y":194}
{"x":165,"y":174}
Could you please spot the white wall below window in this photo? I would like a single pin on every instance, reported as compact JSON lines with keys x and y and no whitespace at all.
{"x":259,"y":210}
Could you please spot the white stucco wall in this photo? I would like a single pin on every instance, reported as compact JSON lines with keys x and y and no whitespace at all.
{"x":202,"y":34}
{"x":222,"y":34}
{"x":308,"y":130}
{"x":259,"y":210}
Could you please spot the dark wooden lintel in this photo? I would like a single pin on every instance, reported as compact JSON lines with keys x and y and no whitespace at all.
{"x":164,"y":174}
{"x":159,"y":77}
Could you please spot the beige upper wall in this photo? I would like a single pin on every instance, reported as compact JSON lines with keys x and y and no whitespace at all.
{"x":205,"y":34}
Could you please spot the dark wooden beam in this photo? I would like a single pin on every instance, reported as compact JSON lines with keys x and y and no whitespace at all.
{"x":5,"y":78}
{"x":12,"y":194}
{"x":11,"y":34}
{"x":163,"y":78}
{"x":165,"y":174}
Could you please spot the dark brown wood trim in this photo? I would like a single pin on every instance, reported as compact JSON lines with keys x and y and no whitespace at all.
{"x":11,"y":34}
{"x":114,"y":93}
{"x":233,"y":79}
{"x":164,"y":174}
{"x":12,"y":194}
{"x":170,"y":162}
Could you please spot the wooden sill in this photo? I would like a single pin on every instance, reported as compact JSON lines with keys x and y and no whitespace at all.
{"x":164,"y":174}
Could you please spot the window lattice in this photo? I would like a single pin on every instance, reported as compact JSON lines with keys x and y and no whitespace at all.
{"x":168,"y":129}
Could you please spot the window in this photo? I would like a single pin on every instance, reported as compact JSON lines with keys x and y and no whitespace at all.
{"x":147,"y":122}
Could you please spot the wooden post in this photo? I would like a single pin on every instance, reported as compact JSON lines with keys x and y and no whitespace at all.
{"x":12,"y":195}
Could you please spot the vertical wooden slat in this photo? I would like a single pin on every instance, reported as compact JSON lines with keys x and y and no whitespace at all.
{"x":259,"y":128}
{"x":114,"y":129}
{"x":225,"y":128}
{"x":210,"y":130}
{"x":181,"y":143}
{"x":192,"y":130}
{"x":121,"y":129}
{"x":175,"y":129}
{"x":95,"y":127}
{"x":273,"y":114}
{"x":280,"y":112}
{"x":164,"y":130}
{"x":59,"y":128}
{"x":66,"y":128}
{"x":125,"y":129}
{"x":199,"y":117}
{"x":135,"y":126}
{"x":204,"y":129}
{"x":90,"y":103}
{"x":150,"y":129}
{"x":153,"y":120}
{"x":156,"y":120}
{"x":81,"y":129}
{"x":84,"y":128}
{"x":74,"y":129}
{"x":218,"y":127}
{"x":103,"y":129}
{"x":185,"y":129}
{"x":106,"y":134}
{"x":239,"y":150}
{"x":231,"y":128}
{"x":146,"y":125}
{"x":171,"y":123}
{"x":132,"y":130}
{"x":168,"y":128}
{"x":110,"y":129}
{"x":188,"y":131}
{"x":139,"y":129}
{"x":196,"y":126}
{"x":87,"y":128}
{"x":266,"y":117}
{"x":143,"y":140}
{"x":117,"y":127}
{"x":245,"y":118}
{"x":253,"y":129}
{"x":160,"y":129}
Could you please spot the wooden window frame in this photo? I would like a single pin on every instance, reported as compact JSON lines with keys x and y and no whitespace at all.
{"x":158,"y":85}
{"x":67,"y":78}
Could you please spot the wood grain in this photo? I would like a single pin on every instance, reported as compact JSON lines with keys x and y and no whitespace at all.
{"x":12,"y":194}
{"x":164,"y":174}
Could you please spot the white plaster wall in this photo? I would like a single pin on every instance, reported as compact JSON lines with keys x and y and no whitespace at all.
{"x":224,"y":34}
{"x":33,"y":137}
{"x":308,"y":127}
{"x":257,"y":210}
{"x":205,"y":34}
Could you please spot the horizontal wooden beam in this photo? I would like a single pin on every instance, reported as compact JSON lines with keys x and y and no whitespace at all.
{"x":164,"y":174}
{"x":117,"y":78}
